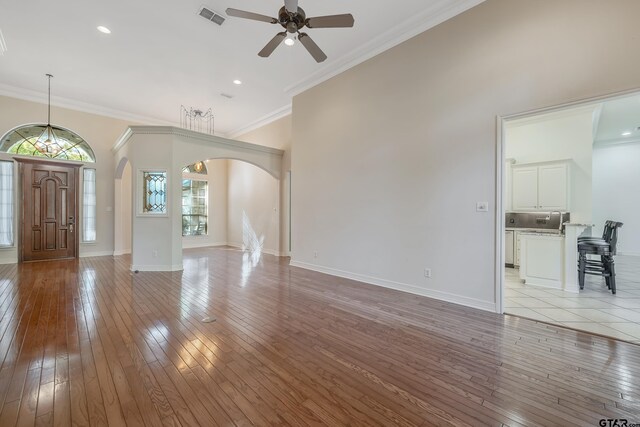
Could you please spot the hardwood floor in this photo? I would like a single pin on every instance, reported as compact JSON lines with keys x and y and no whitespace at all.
{"x":89,"y":343}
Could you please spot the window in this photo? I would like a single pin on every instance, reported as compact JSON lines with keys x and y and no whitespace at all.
{"x":154,"y":192}
{"x":198,"y":168}
{"x":89,"y":206}
{"x":6,"y":203}
{"x":194,"y":207}
{"x":52,"y":141}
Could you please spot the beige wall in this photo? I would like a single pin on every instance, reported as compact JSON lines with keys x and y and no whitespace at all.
{"x":390,"y":157}
{"x":101,"y":133}
{"x":276,"y":135}
{"x":253,"y":214}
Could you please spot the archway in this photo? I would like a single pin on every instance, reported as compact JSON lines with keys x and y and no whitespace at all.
{"x":231,"y":202}
{"x":157,"y":155}
{"x":123,"y":208}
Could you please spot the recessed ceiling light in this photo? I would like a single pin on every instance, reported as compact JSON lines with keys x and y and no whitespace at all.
{"x":237,"y":82}
{"x":104,"y":30}
{"x":626,"y":133}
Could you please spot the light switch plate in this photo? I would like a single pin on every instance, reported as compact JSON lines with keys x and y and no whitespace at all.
{"x":482,"y":207}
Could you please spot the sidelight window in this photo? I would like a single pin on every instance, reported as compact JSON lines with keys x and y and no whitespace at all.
{"x":89,"y":206}
{"x":6,"y":203}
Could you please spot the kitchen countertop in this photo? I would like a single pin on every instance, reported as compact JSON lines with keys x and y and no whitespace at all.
{"x":534,"y":230}
{"x":555,"y":234}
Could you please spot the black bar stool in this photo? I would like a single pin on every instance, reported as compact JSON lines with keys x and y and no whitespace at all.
{"x":605,"y":248}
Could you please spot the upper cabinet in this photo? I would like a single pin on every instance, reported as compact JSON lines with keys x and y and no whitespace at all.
{"x":540,"y":187}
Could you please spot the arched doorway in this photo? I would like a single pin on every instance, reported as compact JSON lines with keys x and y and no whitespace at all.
{"x":122,"y":208}
{"x":157,"y":155}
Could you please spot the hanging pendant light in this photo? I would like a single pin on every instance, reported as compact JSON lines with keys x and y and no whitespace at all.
{"x":48,"y":146}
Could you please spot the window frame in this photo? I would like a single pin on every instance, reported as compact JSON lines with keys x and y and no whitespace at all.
{"x":14,"y":204}
{"x":198,"y":178}
{"x":95,"y":206}
{"x":141,"y":197}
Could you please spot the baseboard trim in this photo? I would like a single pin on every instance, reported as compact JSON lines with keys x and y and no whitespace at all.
{"x":263,"y":250}
{"x":175,"y":267}
{"x":439,"y":295}
{"x":194,"y":245}
{"x":123,"y":252}
{"x":96,"y":253}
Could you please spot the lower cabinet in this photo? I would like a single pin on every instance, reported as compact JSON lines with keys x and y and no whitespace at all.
{"x":542,"y":260}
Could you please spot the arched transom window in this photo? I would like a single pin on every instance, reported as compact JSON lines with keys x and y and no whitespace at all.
{"x":40,"y":140}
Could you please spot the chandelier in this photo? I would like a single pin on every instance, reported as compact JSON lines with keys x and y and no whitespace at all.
{"x":197,"y":120}
{"x":49,"y":146}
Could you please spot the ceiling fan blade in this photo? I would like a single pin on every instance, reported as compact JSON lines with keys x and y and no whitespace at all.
{"x":331,"y":21}
{"x":291,"y":6}
{"x":250,"y":15}
{"x":272,"y":45}
{"x":312,"y":47}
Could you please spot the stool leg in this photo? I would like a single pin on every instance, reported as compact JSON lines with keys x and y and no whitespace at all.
{"x":582,"y":265}
{"x":607,"y":274}
{"x":612,"y":272}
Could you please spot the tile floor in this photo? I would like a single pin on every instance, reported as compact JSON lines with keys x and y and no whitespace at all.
{"x":595,"y":309}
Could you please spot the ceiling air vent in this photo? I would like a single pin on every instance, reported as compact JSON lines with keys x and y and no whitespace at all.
{"x":210,"y":15}
{"x":226,"y":95}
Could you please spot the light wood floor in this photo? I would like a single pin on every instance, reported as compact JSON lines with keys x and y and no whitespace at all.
{"x":89,"y":343}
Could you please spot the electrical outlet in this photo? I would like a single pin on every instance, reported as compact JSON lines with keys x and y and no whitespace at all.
{"x":315,"y":254}
{"x":427,"y":273}
{"x":482,"y":207}
{"x":155,"y":253}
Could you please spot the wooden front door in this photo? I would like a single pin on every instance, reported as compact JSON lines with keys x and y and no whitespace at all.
{"x":49,"y":211}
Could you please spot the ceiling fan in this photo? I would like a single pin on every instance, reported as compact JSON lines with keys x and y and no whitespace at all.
{"x":293,"y":19}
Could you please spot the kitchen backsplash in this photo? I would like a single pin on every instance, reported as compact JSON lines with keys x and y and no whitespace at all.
{"x":535,"y":220}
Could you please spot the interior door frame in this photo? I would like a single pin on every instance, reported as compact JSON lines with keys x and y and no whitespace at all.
{"x":500,"y":176}
{"x":20,"y":214}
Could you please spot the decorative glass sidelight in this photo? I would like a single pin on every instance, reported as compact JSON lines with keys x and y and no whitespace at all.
{"x":154,"y":192}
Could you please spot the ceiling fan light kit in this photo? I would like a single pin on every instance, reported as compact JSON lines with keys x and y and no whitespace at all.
{"x":293,"y":18}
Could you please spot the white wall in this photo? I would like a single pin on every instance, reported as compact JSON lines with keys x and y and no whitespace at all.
{"x":390,"y":157}
{"x":558,"y":136}
{"x":217,"y":213}
{"x":616,"y":178}
{"x":253,"y":208}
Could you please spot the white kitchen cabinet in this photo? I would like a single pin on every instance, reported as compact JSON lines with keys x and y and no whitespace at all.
{"x":524,"y":188}
{"x":517,"y":245}
{"x":540,"y":187}
{"x":542,"y":260}
{"x":553,"y":188}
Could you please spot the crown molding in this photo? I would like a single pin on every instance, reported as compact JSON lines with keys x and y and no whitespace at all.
{"x":85,"y":107}
{"x":438,"y":13}
{"x":187,"y":133}
{"x":602,"y":143}
{"x":262,"y":121}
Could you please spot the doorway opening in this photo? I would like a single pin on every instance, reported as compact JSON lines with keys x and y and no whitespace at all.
{"x":564,"y":171}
